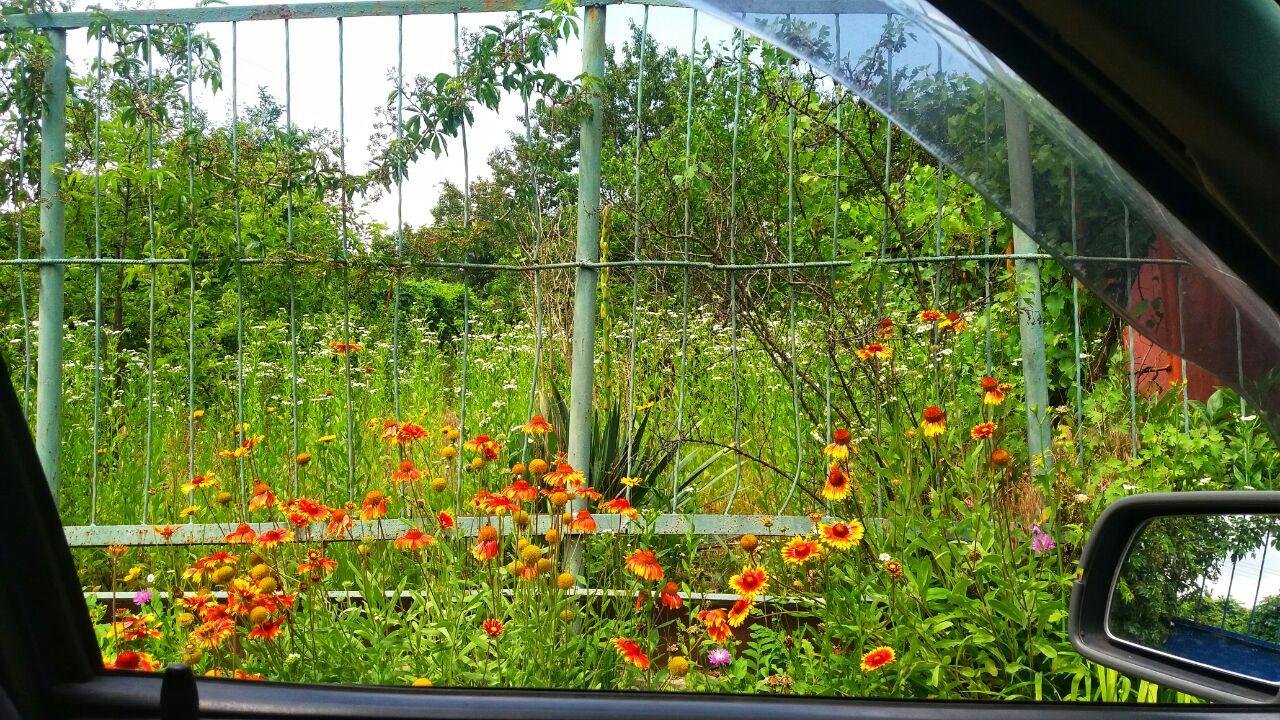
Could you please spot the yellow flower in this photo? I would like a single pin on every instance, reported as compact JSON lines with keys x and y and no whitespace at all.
{"x":133,"y":574}
{"x":196,"y":415}
{"x":421,"y":682}
{"x":327,"y":438}
{"x":189,"y":510}
{"x":645,"y":406}
{"x":631,"y":481}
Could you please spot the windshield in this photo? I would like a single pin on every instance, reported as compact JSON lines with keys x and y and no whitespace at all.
{"x":627,"y":347}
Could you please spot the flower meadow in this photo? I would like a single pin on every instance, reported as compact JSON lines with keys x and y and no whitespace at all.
{"x":922,"y":558}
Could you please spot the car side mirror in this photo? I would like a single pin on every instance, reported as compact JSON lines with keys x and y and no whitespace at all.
{"x":1183,"y":589}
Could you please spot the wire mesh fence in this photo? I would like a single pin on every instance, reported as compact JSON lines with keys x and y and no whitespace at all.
{"x":309,"y":380}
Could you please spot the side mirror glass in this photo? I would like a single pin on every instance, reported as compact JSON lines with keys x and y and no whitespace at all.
{"x":1204,"y":589}
{"x":1183,"y":589}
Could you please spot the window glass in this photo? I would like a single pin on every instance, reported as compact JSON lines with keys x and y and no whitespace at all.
{"x":331,"y":410}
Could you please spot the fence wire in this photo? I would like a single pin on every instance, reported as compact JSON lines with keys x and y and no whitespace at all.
{"x":403,"y":266}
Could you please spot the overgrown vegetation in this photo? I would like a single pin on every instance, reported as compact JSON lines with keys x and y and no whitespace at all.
{"x":329,"y":377}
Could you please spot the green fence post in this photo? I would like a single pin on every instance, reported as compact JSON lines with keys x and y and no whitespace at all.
{"x":582,"y":372}
{"x":1027,"y":275}
{"x":53,"y":126}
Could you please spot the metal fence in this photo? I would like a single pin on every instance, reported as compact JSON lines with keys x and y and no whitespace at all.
{"x":586,"y":266}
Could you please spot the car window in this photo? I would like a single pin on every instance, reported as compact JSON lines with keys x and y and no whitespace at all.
{"x":633,"y":347}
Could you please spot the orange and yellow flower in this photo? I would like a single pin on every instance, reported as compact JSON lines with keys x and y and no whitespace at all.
{"x":212,"y":633}
{"x":342,"y":348}
{"x":413,"y":539}
{"x":716,"y":623}
{"x":537,"y":425}
{"x":132,"y":660}
{"x":751,"y":581}
{"x":406,"y":473}
{"x":619,"y":506}
{"x":262,"y":498}
{"x":317,"y":563}
{"x":631,"y":652}
{"x":340,"y":523}
{"x":992,"y":392}
{"x":840,"y":535}
{"x":1000,"y":456}
{"x":273,"y":537}
{"x":884,"y":329}
{"x":165,"y":531}
{"x":799,"y":551}
{"x":374,"y":506}
{"x":877,"y":657}
{"x":983,"y":431}
{"x":445,"y":520}
{"x":200,"y":482}
{"x":740,"y":610}
{"x":931,"y":315}
{"x":934,"y":422}
{"x":875,"y":351}
{"x":954,"y":322}
{"x":267,"y":629}
{"x":837,"y":485}
{"x":841,"y":444}
{"x":492,"y":627}
{"x":583,"y":522}
{"x":644,"y":563}
{"x":242,"y":534}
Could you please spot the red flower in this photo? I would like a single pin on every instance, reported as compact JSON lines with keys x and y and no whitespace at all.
{"x":485,"y":550}
{"x":130,"y":660}
{"x":738,"y":613}
{"x":267,"y":629}
{"x":492,"y":627}
{"x":877,"y":658}
{"x":446,"y":521}
{"x":317,"y":563}
{"x":992,"y":393}
{"x":242,"y":534}
{"x":670,"y":596}
{"x":631,"y":652}
{"x":274,"y":537}
{"x":930,"y":315}
{"x":304,"y":511}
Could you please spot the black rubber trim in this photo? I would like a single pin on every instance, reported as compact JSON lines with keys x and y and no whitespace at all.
{"x":1100,"y":563}
{"x":136,"y":696}
{"x":45,"y":634}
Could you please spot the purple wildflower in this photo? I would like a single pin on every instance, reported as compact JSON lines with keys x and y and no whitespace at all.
{"x":142,"y":597}
{"x":1041,"y":542}
{"x":719,"y":657}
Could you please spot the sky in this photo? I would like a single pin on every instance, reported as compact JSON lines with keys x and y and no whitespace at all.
{"x":370,"y":61}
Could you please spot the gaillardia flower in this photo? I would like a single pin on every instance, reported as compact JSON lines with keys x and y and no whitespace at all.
{"x":877,"y":657}
{"x":992,"y":393}
{"x":839,"y":535}
{"x":631,"y":652}
{"x":841,"y":443}
{"x":644,"y":563}
{"x":935,"y":421}
{"x":875,"y":351}
{"x":750,"y":582}
{"x":799,"y":551}
{"x":837,"y":485}
{"x":983,"y":431}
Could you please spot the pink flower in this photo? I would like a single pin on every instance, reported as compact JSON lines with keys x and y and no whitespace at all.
{"x":719,"y":657}
{"x":1041,"y":542}
{"x":142,"y":597}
